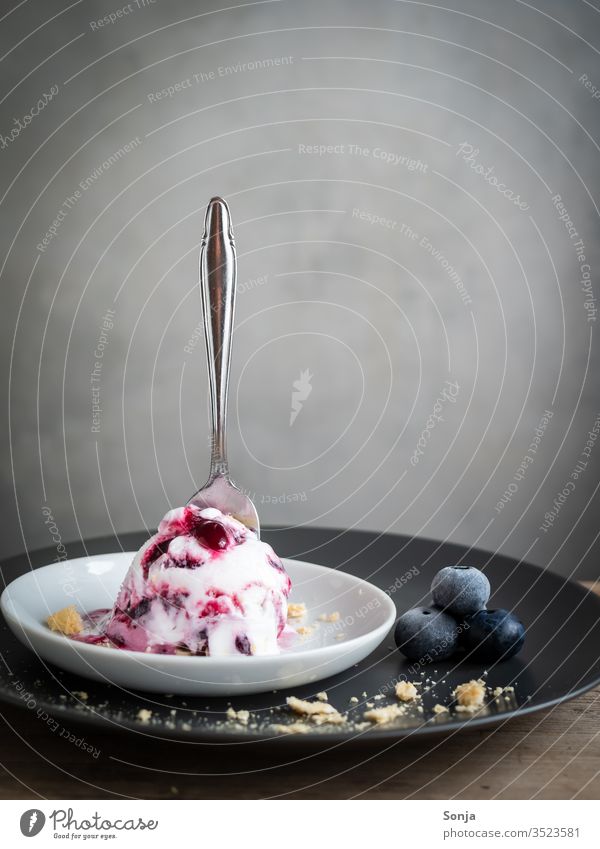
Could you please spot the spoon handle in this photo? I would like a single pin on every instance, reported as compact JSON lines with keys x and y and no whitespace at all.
{"x":217,"y":287}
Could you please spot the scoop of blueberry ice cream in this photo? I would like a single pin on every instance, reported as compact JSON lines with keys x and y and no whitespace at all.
{"x":204,"y":583}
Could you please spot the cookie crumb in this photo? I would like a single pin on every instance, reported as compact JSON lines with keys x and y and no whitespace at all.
{"x":334,"y":718}
{"x":330,"y":617}
{"x":353,"y":700}
{"x":66,"y":621}
{"x":405,"y":691}
{"x":296,"y":610}
{"x":238,"y":715}
{"x":384,"y":714}
{"x":144,"y":715}
{"x":322,"y":696}
{"x":293,"y":728}
{"x":309,"y":708}
{"x":81,"y":694}
{"x":437,"y":709}
{"x":305,"y":630}
{"x":470,"y":695}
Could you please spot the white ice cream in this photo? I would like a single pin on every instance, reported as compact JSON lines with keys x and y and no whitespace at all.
{"x":204,"y":583}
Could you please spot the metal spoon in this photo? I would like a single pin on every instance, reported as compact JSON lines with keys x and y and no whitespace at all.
{"x":217,"y":285}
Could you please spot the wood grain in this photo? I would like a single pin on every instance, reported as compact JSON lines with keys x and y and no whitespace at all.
{"x":551,"y":755}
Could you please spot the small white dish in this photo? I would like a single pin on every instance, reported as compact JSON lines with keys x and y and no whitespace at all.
{"x":366,"y":614}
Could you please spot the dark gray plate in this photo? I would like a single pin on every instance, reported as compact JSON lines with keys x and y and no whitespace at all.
{"x":561,"y":657}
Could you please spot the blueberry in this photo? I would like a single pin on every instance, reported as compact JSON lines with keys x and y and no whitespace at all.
{"x":460,"y":590}
{"x":141,"y":608}
{"x":493,"y":635}
{"x":242,"y":644}
{"x":426,"y":634}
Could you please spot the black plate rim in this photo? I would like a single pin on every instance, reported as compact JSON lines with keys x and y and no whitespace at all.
{"x":316,"y":739}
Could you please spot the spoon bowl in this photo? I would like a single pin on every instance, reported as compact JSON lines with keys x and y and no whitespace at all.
{"x":222,"y":493}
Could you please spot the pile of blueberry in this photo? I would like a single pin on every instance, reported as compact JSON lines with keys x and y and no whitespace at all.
{"x":458,"y":619}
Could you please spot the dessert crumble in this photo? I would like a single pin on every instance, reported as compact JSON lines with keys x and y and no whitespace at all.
{"x":334,"y":718}
{"x":384,"y":714}
{"x":292,"y":728}
{"x":241,"y":716}
{"x":322,"y":696}
{"x":470,"y":696}
{"x":405,"y":691}
{"x":309,"y":708}
{"x":66,"y":621}
{"x":144,"y":715}
{"x":330,"y":617}
{"x":296,"y":610}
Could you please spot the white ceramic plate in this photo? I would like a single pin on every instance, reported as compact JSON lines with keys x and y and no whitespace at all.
{"x":366,"y":614}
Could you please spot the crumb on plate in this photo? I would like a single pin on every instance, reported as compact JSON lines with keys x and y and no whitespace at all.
{"x":67,"y":621}
{"x":470,"y":695}
{"x":384,"y":714}
{"x":405,"y":691}
{"x":334,"y":718}
{"x":330,"y":617}
{"x":292,"y":728}
{"x":309,"y":708}
{"x":296,"y":610}
{"x":238,"y":715}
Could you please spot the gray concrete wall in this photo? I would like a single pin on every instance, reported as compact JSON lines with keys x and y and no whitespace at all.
{"x":392,"y":169}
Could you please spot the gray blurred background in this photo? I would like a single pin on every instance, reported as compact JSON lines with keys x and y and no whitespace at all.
{"x":415,"y":347}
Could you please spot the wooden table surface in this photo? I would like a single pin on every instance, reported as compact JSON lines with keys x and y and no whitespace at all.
{"x":550,"y":755}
